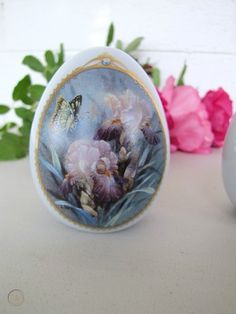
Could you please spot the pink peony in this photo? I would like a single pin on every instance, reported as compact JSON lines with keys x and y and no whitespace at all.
{"x":219,"y":108}
{"x":187,"y":118}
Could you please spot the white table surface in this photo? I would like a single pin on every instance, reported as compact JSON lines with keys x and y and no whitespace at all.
{"x":181,"y":258}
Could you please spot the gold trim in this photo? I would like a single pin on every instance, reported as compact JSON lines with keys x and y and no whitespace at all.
{"x":88,"y":66}
{"x":98,"y":61}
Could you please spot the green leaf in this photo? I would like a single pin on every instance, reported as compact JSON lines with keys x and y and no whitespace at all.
{"x":49,"y":57}
{"x":48,"y":74}
{"x":33,"y":63}
{"x":110,"y":34}
{"x":61,"y":56}
{"x":180,"y":80}
{"x":55,"y":160}
{"x":25,"y":129}
{"x":4,"y":109}
{"x":8,"y":126}
{"x":24,"y":114}
{"x":21,"y":88}
{"x":36,"y":91}
{"x":20,"y":91}
{"x":119,"y":44}
{"x":156,"y":76}
{"x":134,"y":44}
{"x":13,"y":146}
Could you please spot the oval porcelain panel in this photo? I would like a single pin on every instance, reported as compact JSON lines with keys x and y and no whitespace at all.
{"x":99,"y":142}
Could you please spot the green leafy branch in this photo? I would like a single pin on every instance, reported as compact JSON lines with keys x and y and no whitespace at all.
{"x":131,"y":48}
{"x":153,"y":71}
{"x":14,"y":137}
{"x":180,"y":80}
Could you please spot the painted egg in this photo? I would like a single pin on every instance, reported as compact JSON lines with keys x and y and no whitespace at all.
{"x":99,"y":142}
{"x":229,"y":161}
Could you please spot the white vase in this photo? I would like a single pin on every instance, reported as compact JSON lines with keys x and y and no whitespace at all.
{"x":229,"y":161}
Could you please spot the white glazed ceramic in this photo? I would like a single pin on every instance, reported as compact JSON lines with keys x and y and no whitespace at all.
{"x":99,"y":143}
{"x":229,"y":161}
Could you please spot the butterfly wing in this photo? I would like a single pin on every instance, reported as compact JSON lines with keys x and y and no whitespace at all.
{"x":75,"y":106}
{"x":61,"y":114}
{"x":66,"y":114}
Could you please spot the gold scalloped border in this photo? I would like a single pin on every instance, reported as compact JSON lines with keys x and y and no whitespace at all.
{"x":95,"y":63}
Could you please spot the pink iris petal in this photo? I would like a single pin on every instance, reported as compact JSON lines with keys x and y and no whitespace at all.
{"x":95,"y":165}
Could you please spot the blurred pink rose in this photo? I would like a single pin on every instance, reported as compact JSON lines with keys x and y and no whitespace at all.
{"x":219,"y":108}
{"x":187,"y":118}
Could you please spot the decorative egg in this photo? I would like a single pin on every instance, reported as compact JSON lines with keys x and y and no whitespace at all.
{"x":99,"y":142}
{"x":229,"y":161}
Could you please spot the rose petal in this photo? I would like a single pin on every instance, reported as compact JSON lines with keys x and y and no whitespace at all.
{"x":168,"y":89}
{"x":220,"y":110}
{"x":191,"y":134}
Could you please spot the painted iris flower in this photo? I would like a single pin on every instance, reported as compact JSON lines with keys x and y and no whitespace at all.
{"x":99,"y":172}
{"x":93,"y":166}
{"x":131,"y":116}
{"x":101,"y":149}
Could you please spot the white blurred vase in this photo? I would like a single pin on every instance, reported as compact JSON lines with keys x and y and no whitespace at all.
{"x":229,"y":161}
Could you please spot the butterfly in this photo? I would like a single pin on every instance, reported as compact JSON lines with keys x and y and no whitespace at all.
{"x":66,"y":114}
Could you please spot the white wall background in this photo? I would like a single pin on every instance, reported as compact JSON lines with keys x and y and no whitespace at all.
{"x":202,"y":32}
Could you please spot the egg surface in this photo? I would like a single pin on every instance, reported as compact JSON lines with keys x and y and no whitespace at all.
{"x":99,"y":142}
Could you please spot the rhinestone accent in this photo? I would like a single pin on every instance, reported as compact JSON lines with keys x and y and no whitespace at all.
{"x":106,"y":61}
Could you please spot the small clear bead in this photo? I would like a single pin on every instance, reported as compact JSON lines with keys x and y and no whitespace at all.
{"x":106,"y":61}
